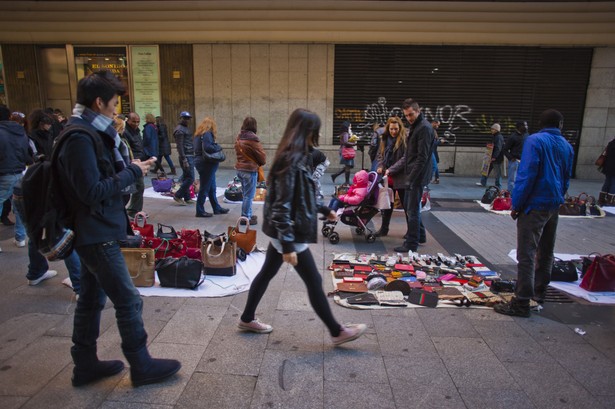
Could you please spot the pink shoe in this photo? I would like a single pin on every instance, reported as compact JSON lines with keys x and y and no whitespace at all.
{"x":349,"y":332}
{"x":255,"y":326}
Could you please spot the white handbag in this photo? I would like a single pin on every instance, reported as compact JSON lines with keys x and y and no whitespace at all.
{"x":385,"y":195}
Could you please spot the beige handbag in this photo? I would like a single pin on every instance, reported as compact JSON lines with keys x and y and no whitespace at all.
{"x":141,"y":265}
{"x":219,"y":258}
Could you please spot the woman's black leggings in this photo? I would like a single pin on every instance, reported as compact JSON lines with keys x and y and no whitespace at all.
{"x":306,"y":267}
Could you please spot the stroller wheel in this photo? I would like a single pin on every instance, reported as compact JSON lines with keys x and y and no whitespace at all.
{"x":326,"y":230}
{"x":370,"y":238}
{"x":334,"y":238}
{"x":359,"y":230}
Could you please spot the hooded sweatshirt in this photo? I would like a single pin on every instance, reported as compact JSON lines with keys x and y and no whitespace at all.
{"x":14,"y":148}
{"x":358,"y":190}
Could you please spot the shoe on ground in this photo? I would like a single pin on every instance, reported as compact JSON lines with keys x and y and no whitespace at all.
{"x":7,"y":222}
{"x":48,"y":274}
{"x":253,"y":221}
{"x":480,"y":184}
{"x":102,"y":369}
{"x":67,"y":282}
{"x":349,"y":332}
{"x":435,"y":182}
{"x":179,"y":201}
{"x":513,"y":308}
{"x":422,"y":241}
{"x":222,"y":210}
{"x":19,"y":243}
{"x":206,"y":214}
{"x":403,"y":249}
{"x":190,"y":201}
{"x":255,"y":326}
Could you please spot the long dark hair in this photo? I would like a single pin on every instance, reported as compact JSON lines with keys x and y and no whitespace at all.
{"x":301,"y":133}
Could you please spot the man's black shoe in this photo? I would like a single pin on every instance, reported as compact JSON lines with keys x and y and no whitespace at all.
{"x":401,"y":249}
{"x":222,"y":210}
{"x":206,"y":214}
{"x":513,"y":308}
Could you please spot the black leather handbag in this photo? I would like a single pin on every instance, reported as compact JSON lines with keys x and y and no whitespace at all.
{"x":169,"y":234}
{"x":180,"y":272}
{"x":564,"y":271}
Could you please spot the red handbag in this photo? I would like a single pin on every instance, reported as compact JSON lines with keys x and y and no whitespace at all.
{"x":192,"y":238}
{"x":503,"y":201}
{"x":600,"y":275}
{"x":140,"y":225}
{"x":194,"y":253}
{"x":348,"y":152}
{"x":166,"y":247}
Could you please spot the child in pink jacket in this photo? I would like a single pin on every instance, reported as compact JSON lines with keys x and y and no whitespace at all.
{"x":356,"y":193}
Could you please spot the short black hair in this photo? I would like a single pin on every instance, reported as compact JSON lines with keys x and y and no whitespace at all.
{"x":410,"y":103}
{"x":5,"y":113}
{"x":551,"y":118}
{"x":101,"y":84}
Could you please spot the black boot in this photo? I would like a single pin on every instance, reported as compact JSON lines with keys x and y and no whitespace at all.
{"x":89,"y":369}
{"x":145,"y":370}
{"x":172,"y":172}
{"x":386,"y":220}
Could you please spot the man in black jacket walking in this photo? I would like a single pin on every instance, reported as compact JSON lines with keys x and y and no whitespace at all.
{"x":185,"y":149}
{"x":93,"y":182}
{"x":512,"y":150}
{"x":417,"y":166}
{"x":133,"y":135}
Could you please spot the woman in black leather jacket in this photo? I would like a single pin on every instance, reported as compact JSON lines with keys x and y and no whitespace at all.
{"x":290,"y":220}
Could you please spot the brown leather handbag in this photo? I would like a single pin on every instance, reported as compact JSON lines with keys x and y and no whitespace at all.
{"x":141,"y":265}
{"x":246,"y":240}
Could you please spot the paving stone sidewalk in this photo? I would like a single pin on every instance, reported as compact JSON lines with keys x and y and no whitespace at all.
{"x":409,"y":358}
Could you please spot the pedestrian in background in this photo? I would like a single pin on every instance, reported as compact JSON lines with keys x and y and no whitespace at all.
{"x":513,"y":149}
{"x":205,"y":141}
{"x":607,"y":195}
{"x":132,"y":134}
{"x":164,"y":146}
{"x":543,"y":178}
{"x":290,"y":221}
{"x":497,"y":157}
{"x":150,"y":137}
{"x":250,"y":156}
{"x":345,"y":142}
{"x":185,"y":150}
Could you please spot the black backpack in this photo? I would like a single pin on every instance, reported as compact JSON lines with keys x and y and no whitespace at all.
{"x":43,"y":208}
{"x":490,"y":194}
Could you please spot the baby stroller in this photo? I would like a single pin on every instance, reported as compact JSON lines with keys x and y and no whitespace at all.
{"x":358,"y":215}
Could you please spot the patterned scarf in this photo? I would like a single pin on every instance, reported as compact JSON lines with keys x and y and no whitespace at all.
{"x":103,"y":124}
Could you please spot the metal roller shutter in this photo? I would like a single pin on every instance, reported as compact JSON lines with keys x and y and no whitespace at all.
{"x":466,"y":88}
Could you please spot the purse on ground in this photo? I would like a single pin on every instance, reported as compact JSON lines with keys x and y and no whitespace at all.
{"x":180,"y":272}
{"x":246,"y":240}
{"x":219,"y":260}
{"x":141,"y":265}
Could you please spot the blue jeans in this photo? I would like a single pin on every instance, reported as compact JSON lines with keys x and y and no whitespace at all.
{"x":248,"y":185}
{"x":412,"y":204}
{"x":187,"y":179}
{"x":497,"y":169}
{"x":535,"y":243}
{"x":434,"y":165}
{"x":38,"y":266}
{"x":513,"y":165}
{"x":104,"y":273}
{"x":207,"y":174}
{"x":7,"y":183}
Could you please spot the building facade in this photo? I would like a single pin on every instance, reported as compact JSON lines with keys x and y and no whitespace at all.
{"x":468,"y":63}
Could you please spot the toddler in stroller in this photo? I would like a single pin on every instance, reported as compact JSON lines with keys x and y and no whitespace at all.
{"x":356,"y":208}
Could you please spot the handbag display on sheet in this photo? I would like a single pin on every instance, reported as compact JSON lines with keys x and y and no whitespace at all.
{"x":140,"y":225}
{"x":219,"y":258}
{"x":141,"y":264}
{"x":600,"y":275}
{"x":246,"y":240}
{"x":180,"y":272}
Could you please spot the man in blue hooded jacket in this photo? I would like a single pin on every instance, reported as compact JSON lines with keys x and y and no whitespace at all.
{"x":542,"y":180}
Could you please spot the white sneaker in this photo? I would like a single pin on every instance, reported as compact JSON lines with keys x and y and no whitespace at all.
{"x":67,"y":282}
{"x":349,"y":332}
{"x":255,"y":326}
{"x":49,"y":274}
{"x":479,"y":184}
{"x":19,"y":243}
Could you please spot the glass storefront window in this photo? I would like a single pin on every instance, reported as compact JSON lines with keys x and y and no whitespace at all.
{"x":90,"y":59}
